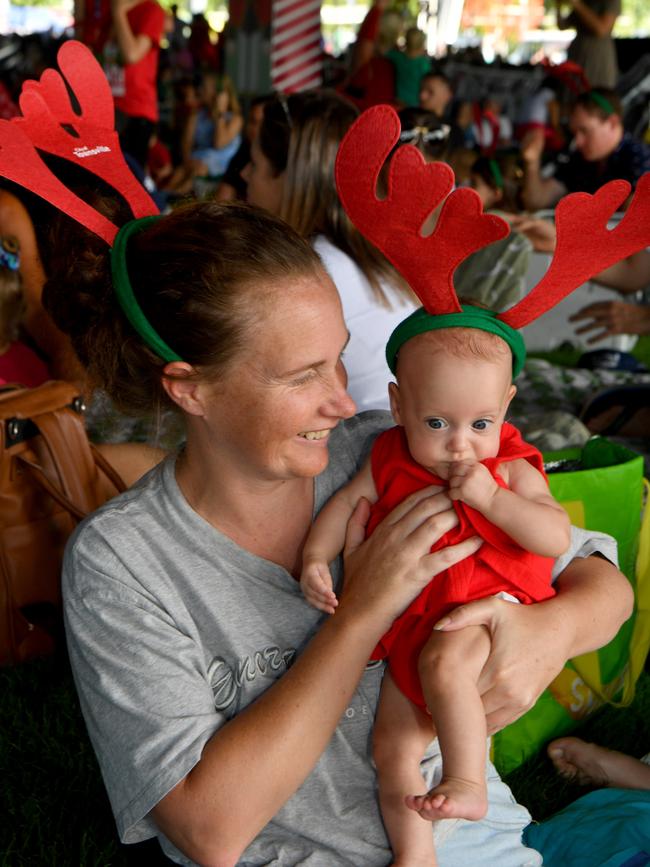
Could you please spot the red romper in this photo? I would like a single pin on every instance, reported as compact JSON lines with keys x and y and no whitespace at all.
{"x":500,"y":564}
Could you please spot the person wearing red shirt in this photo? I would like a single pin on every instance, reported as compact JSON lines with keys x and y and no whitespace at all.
{"x":131,"y":65}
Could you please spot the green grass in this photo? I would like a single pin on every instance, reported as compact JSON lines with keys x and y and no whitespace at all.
{"x":53,"y":805}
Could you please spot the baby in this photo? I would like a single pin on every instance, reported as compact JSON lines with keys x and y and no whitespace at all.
{"x":18,"y":363}
{"x":454,"y":386}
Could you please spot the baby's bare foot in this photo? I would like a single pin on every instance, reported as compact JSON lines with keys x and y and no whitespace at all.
{"x":454,"y":798}
{"x":587,"y":764}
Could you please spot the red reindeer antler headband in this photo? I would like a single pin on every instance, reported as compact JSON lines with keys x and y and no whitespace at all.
{"x":86,"y":138}
{"x":585,"y":246}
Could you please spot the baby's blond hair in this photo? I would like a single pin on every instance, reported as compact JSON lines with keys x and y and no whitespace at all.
{"x":460,"y":342}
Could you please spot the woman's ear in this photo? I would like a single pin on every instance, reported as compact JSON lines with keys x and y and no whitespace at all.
{"x":393,"y":395}
{"x":183,"y":387}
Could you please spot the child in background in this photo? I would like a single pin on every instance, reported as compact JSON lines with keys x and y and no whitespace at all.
{"x":498,"y":181}
{"x":410,"y":65}
{"x":18,"y":363}
{"x":453,"y":389}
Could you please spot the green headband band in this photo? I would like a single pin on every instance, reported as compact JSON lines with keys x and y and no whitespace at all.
{"x":124,"y":290}
{"x":602,"y":102}
{"x":496,"y":173}
{"x":472,"y":317}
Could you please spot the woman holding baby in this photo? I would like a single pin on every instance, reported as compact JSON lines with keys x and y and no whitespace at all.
{"x":230,"y":718}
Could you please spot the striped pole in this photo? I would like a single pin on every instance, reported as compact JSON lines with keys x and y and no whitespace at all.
{"x":296,"y":62}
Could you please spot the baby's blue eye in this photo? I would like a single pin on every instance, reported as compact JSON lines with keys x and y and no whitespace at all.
{"x":481,"y":424}
{"x":436,"y":423}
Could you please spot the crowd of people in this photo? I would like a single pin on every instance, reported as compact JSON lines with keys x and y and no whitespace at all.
{"x":232,"y":716}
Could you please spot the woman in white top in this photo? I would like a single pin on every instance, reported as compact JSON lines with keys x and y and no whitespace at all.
{"x":291,"y":174}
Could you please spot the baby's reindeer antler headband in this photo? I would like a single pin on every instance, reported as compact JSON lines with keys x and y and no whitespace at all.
{"x":50,"y":123}
{"x":585,"y":246}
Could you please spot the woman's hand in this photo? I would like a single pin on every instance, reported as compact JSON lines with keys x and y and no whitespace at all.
{"x":612,"y":317}
{"x":530,"y":645}
{"x":384,"y":573}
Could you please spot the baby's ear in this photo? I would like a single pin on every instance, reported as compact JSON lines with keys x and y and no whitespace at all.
{"x":393,"y":395}
{"x":512,"y":391}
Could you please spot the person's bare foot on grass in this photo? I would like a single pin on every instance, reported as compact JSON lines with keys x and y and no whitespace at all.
{"x":592,"y":765}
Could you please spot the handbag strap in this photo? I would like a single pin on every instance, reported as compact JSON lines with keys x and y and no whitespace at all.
{"x":76,"y":465}
{"x":39,"y":476}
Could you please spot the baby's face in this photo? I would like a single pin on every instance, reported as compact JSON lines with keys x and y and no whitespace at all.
{"x":452,"y":409}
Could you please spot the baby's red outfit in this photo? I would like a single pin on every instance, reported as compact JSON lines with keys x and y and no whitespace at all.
{"x":500,"y":565}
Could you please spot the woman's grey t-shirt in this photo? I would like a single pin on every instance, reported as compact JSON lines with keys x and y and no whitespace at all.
{"x":173,"y":629}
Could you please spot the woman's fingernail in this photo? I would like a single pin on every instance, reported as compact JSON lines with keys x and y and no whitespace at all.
{"x":445,"y":621}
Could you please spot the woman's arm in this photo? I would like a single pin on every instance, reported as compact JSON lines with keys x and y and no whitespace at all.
{"x":187,"y":137}
{"x":531,"y":643}
{"x":133,"y":48}
{"x":599,"y":25}
{"x":223,"y":803}
{"x":226,"y":126}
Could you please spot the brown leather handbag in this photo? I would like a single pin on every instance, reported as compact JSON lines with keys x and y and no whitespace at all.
{"x":50,"y":478}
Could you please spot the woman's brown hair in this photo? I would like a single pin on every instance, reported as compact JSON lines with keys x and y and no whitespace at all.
{"x":300,"y":136}
{"x":200,"y":276}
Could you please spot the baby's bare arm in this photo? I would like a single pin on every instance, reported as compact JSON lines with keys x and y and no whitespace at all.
{"x":327,"y":535}
{"x":528,"y":513}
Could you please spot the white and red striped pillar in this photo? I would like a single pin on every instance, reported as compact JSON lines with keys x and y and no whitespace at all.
{"x":296,"y":53}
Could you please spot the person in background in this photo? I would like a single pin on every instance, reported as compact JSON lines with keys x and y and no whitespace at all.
{"x":410,"y":65}
{"x":435,"y":93}
{"x":371,"y":78}
{"x":211,"y":134}
{"x":603,"y":152}
{"x":593,"y":47}
{"x":131,"y":66}
{"x":18,"y":363}
{"x":291,"y":174}
{"x":54,"y":346}
{"x":497,"y":180}
{"x":232,"y":185}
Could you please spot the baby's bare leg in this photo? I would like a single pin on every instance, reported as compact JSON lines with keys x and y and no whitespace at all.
{"x":400,"y":736}
{"x":450,"y":665}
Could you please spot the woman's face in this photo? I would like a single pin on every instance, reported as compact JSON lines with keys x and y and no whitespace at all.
{"x":275,"y":408}
{"x":264,"y":186}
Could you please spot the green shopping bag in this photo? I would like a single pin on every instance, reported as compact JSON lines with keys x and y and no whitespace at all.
{"x":604,"y":492}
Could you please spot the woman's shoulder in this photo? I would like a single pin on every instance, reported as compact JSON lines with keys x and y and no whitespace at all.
{"x":120,"y":522}
{"x":353,"y":438}
{"x":350,"y":444}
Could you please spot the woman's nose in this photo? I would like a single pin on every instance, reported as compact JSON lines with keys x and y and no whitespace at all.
{"x":343,"y":404}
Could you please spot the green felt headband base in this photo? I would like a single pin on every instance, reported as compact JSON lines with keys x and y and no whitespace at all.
{"x":124,"y":290}
{"x":471,"y":317}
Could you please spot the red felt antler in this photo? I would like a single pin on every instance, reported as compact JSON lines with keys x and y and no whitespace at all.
{"x":585,"y":246}
{"x":20,"y":163}
{"x":94,"y":144}
{"x":415,"y":189}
